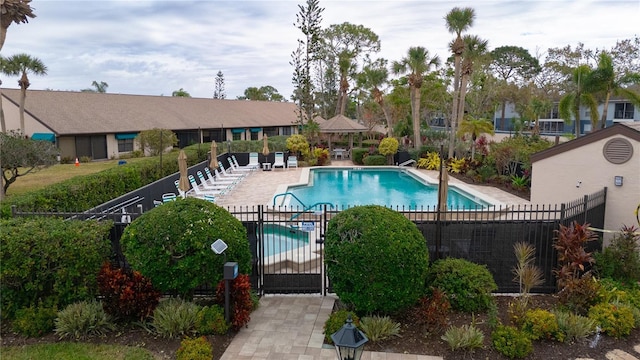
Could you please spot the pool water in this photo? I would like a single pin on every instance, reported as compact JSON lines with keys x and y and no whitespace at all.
{"x":279,"y":239}
{"x":386,"y":187}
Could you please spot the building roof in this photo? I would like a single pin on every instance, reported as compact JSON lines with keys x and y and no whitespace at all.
{"x":341,"y":124}
{"x":67,"y":112}
{"x":629,"y":129}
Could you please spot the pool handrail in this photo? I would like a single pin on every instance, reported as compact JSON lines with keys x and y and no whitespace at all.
{"x":285,"y":194}
{"x":407,"y":162}
{"x":311,"y":207}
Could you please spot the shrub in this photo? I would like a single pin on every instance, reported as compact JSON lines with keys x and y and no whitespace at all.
{"x":614,"y":320}
{"x":240,"y":298}
{"x":376,"y":259}
{"x":579,"y":295}
{"x":542,"y":324}
{"x":511,"y":342}
{"x":430,"y":162}
{"x":621,"y":259}
{"x":336,"y":320}
{"x":467,"y":285}
{"x":175,"y":317}
{"x":379,"y":327}
{"x":83,"y":319}
{"x":126,"y":294}
{"x":375,"y":160}
{"x":171,"y":245}
{"x":321,"y":156}
{"x":573,"y":326}
{"x":433,"y":310}
{"x":357,"y":155}
{"x":194,"y":349}
{"x":211,"y":321}
{"x":456,"y":166}
{"x":298,"y":144}
{"x":34,"y":321}
{"x":50,"y":261}
{"x":463,"y":337}
{"x":570,"y":242}
{"x":388,"y":147}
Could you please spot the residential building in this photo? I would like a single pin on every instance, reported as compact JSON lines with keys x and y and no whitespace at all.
{"x":104,"y":125}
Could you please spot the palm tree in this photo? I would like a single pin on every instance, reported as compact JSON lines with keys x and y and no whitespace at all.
{"x":4,"y":70}
{"x":13,"y":11}
{"x":22,"y":64}
{"x":538,"y":108}
{"x":474,"y":48}
{"x":475,"y":127}
{"x":417,"y":62}
{"x":604,"y":78}
{"x":457,"y":21}
{"x":374,"y":76}
{"x":572,"y":101}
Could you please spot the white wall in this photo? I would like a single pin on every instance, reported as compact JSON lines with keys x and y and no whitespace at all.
{"x":571,"y":175}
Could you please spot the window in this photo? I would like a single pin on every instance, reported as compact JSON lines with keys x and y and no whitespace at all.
{"x":125,"y":145}
{"x":236,"y":136}
{"x":270,"y":131}
{"x":254,"y":135}
{"x":553,"y":114}
{"x":286,"y":130}
{"x":624,"y":111}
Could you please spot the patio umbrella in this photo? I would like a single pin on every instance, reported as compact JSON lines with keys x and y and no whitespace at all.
{"x":214,"y":155}
{"x":443,"y":187}
{"x":265,"y":147}
{"x":182,"y":165}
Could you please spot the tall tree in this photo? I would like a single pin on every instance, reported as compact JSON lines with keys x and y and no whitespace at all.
{"x":20,"y":156}
{"x":606,"y":80}
{"x":218,"y":92}
{"x":347,"y":44}
{"x":98,"y":87}
{"x":264,"y":93}
{"x":23,"y":64}
{"x":475,"y":48}
{"x":181,"y":93}
{"x":13,"y":11}
{"x":513,"y":64}
{"x":457,"y":21}
{"x":308,"y":20}
{"x":374,"y":76}
{"x":579,"y":95}
{"x":417,"y":62}
{"x":475,"y":127}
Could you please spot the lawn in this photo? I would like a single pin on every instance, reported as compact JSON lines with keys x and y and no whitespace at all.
{"x":75,"y":351}
{"x":38,"y":179}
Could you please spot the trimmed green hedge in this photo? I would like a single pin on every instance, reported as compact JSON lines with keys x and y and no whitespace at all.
{"x":375,"y":160}
{"x":49,"y":261}
{"x":376,"y":258}
{"x":171,"y":245}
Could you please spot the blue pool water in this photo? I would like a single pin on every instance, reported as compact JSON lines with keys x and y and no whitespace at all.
{"x":279,"y":239}
{"x":386,"y":187}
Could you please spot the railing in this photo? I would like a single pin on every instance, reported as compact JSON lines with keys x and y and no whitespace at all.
{"x":285,"y":194}
{"x":407,"y":162}
{"x":307,"y":208}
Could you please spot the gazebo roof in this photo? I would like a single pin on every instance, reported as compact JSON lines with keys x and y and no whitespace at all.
{"x":342,"y":124}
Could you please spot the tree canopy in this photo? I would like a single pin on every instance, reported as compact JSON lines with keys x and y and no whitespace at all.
{"x":20,"y":156}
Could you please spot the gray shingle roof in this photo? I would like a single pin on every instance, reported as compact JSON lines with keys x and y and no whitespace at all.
{"x":67,"y":112}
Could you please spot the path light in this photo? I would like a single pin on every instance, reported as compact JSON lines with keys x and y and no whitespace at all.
{"x":349,"y":341}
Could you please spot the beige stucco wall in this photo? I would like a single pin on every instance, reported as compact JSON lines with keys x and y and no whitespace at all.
{"x":12,"y":119}
{"x":571,"y":175}
{"x":67,"y":146}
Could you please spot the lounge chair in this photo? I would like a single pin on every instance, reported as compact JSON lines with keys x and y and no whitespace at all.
{"x":254,"y":161}
{"x":208,"y":195}
{"x":223,"y":188}
{"x":213,"y":180}
{"x":231,"y":174}
{"x":279,"y":160}
{"x":233,"y":165}
{"x":169,"y":197}
{"x":157,"y":203}
{"x":292,"y":162}
{"x":223,"y":177}
{"x":183,"y":194}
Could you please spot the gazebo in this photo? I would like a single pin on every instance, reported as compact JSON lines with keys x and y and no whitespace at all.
{"x":341,"y":124}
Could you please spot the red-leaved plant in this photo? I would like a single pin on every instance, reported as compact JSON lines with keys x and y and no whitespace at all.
{"x":570,"y":244}
{"x":127,"y":295}
{"x":240,"y":298}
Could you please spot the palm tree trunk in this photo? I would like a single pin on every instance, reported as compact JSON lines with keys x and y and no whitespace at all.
{"x":3,"y":36}
{"x":23,"y":97}
{"x":415,"y":111}
{"x":3,"y":125}
{"x":454,"y":111}
{"x":603,"y":122}
{"x":461,"y":100}
{"x":576,"y":115}
{"x":388,"y":118}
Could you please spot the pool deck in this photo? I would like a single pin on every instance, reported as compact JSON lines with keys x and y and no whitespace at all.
{"x":260,"y":186}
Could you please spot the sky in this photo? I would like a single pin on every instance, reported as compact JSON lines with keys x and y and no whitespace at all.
{"x":156,"y":47}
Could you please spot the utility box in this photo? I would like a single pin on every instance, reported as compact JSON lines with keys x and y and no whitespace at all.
{"x":230,"y":270}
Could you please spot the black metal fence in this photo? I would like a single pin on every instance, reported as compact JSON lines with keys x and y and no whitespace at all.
{"x":287,"y":242}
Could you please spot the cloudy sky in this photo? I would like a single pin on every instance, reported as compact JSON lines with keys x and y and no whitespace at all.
{"x":157,"y":47}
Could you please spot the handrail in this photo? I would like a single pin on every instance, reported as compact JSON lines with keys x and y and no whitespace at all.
{"x":311,"y":207}
{"x":285,"y":194}
{"x":407,"y":162}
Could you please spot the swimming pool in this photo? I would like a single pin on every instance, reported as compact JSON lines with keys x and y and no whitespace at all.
{"x":344,"y":187}
{"x":279,"y":239}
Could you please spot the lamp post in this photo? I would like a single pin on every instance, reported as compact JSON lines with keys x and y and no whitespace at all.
{"x":349,"y":341}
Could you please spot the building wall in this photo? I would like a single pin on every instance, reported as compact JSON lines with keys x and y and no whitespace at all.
{"x":578,"y":172}
{"x":12,"y":119}
{"x":67,"y":146}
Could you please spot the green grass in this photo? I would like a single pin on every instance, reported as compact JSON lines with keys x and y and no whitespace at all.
{"x":36,"y":180}
{"x":75,"y":351}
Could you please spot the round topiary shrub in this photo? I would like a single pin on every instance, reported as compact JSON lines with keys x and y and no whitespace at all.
{"x":467,"y":285}
{"x":171,"y":245}
{"x":377,"y":259}
{"x":375,"y":160}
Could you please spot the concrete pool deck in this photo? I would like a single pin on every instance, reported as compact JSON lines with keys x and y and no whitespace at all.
{"x":260,"y":187}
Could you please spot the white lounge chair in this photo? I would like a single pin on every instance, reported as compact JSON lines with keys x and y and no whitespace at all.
{"x":233,"y":165}
{"x":219,"y":180}
{"x":279,"y":160}
{"x":183,"y":194}
{"x":254,"y":161}
{"x":231,"y":174}
{"x":292,"y":162}
{"x":200,"y":193}
{"x":215,"y":187}
{"x":169,"y":197}
{"x":218,"y":175}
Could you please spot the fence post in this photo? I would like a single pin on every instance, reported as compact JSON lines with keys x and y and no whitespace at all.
{"x":586,"y":208}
